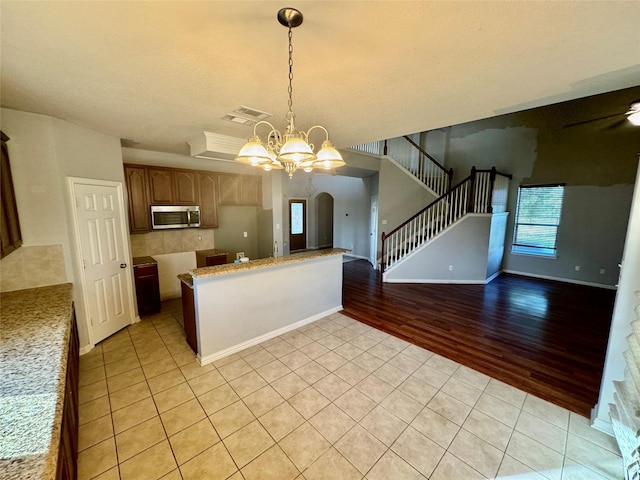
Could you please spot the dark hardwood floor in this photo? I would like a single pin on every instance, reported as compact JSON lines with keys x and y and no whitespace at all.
{"x":545,"y":337}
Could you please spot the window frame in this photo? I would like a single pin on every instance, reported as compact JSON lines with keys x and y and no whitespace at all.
{"x":520,"y":248}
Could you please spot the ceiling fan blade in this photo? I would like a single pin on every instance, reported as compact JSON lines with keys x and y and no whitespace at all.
{"x":617,"y":123}
{"x":575,"y":124}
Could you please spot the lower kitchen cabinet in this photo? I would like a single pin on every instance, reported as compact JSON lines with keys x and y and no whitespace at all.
{"x":209,"y":258}
{"x":67,"y":468}
{"x":145,"y":272}
{"x":189,"y":316}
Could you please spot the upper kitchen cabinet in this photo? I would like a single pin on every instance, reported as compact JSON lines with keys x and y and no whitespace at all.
{"x":185,"y":187}
{"x":148,"y":186}
{"x":10,"y":233}
{"x":160,"y":186}
{"x":136,"y":178}
{"x":172,"y":187}
{"x":208,"y":189}
{"x":229,"y":188}
{"x":251,"y":190}
{"x":240,"y":189}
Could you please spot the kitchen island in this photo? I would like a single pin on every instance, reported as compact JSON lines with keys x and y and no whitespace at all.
{"x":239,"y":305}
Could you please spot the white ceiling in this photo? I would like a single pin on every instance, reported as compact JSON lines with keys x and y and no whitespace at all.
{"x":159,"y":73}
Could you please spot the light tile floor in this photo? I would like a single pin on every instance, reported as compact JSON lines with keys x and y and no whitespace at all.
{"x":335,"y":399}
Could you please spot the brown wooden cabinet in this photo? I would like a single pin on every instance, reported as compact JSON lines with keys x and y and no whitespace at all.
{"x":148,"y":186}
{"x":160,"y":186}
{"x":11,"y":237}
{"x":68,"y":447}
{"x":229,"y":188}
{"x":209,"y":258}
{"x":251,"y":190}
{"x":169,"y":186}
{"x":185,"y":187}
{"x":145,"y":273}
{"x":208,"y":195}
{"x":139,"y":216}
{"x":240,"y":189}
{"x":189,"y":316}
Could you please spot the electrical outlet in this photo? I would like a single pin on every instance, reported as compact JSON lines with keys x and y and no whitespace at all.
{"x":577,"y":268}
{"x":450,"y":267}
{"x":384,"y":222}
{"x":245,"y":235}
{"x":602,"y":271}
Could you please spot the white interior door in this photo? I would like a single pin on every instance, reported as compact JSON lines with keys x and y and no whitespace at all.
{"x":99,"y":217}
{"x":373,"y":231}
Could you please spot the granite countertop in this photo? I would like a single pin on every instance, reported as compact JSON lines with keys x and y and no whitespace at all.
{"x":138,"y":261}
{"x":187,"y":279}
{"x":228,"y":268}
{"x":34,"y":343}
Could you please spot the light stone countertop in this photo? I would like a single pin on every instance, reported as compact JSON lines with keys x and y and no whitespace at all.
{"x":260,"y":263}
{"x":34,"y":343}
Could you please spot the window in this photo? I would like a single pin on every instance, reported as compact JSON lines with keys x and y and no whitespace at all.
{"x":537,"y":219}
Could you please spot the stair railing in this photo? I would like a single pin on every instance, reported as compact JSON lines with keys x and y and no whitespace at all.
{"x":426,"y":169}
{"x":474,"y":194}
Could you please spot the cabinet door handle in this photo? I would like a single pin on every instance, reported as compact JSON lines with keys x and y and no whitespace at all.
{"x":123,"y":265}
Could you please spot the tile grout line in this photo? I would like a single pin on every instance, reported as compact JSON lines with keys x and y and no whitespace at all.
{"x":351,"y":387}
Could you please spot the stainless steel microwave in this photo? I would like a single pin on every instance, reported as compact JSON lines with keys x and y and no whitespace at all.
{"x":178,"y":216}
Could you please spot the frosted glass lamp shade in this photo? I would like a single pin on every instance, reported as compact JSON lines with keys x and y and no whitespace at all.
{"x":328,"y":157}
{"x":253,"y":153}
{"x":296,"y":150}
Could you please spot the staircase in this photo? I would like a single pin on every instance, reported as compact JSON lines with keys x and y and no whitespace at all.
{"x":482,"y":192}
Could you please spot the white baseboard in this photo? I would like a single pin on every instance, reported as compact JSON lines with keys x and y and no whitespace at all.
{"x":560,"y":279}
{"x":603,"y":426}
{"x":361,"y":257}
{"x":85,"y":349}
{"x":442,"y":281}
{"x":492,"y":277}
{"x":267,"y":336}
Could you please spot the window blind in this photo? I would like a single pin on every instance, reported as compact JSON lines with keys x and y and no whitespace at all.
{"x":537,"y":219}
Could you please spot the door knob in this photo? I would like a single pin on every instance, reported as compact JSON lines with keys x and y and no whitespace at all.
{"x":123,"y":265}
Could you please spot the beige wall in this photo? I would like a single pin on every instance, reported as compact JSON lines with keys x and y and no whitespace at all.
{"x":44,"y":152}
{"x":399,"y":197}
{"x":31,"y":267}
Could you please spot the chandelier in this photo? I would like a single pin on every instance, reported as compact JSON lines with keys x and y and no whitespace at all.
{"x":290,"y":151}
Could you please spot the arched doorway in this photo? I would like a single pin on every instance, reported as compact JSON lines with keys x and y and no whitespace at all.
{"x":324,"y":220}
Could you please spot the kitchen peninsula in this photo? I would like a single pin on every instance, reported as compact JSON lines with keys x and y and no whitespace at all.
{"x":239,"y":305}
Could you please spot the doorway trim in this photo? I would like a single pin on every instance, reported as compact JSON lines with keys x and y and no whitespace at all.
{"x":78,"y":258}
{"x":373,"y":233}
{"x":305,"y":222}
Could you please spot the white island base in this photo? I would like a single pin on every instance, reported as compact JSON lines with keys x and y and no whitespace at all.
{"x":240,"y":305}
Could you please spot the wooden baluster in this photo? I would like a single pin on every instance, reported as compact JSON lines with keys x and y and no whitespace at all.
{"x":492,"y":185}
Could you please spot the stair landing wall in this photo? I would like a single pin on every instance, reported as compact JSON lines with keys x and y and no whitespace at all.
{"x":470,"y":251}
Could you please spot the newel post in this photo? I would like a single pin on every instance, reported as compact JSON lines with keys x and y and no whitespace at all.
{"x":472,"y":191}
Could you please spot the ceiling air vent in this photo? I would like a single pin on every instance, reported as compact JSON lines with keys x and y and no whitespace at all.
{"x":215,"y":146}
{"x":246,"y":115}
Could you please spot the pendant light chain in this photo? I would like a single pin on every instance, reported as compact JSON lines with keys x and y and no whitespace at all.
{"x":289,"y":150}
{"x":290,"y":70}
